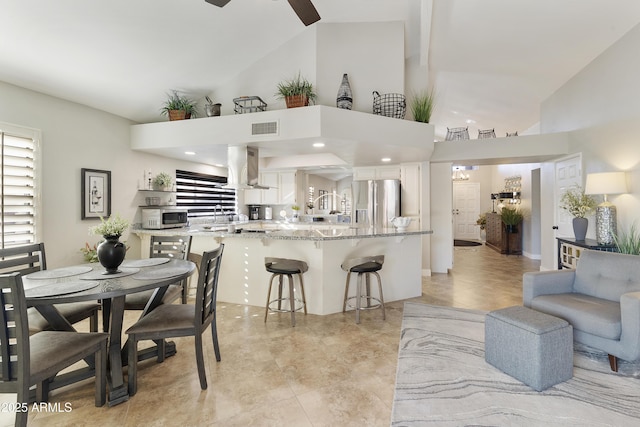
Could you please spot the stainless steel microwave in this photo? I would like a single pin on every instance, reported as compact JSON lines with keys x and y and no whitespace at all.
{"x":158,"y":218}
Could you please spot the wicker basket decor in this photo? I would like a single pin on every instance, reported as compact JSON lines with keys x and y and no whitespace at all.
{"x":455,"y":134}
{"x":294,"y":101}
{"x":389,"y":104}
{"x":178,"y":115}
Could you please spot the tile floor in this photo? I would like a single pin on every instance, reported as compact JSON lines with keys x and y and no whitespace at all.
{"x":327,"y":371}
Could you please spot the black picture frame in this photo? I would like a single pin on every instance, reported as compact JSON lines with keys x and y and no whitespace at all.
{"x":95,"y":193}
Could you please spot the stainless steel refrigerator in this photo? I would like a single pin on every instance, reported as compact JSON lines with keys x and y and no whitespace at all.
{"x":375,"y":203}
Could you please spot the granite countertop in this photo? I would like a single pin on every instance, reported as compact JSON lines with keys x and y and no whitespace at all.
{"x":314,"y":233}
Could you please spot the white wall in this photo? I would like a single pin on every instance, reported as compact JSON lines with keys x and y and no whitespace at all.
{"x":75,"y":137}
{"x":601,"y":106}
{"x":372,"y":54}
{"x":441,"y":189}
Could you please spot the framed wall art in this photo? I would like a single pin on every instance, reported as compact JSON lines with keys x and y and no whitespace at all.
{"x":95,"y":193}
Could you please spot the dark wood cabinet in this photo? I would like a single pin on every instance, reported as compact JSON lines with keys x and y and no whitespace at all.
{"x":498,"y":238}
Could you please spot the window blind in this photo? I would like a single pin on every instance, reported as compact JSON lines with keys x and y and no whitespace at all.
{"x":203,"y":195}
{"x":17,"y":182}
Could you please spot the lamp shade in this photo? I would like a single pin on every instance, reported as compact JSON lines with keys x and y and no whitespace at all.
{"x":606,"y":183}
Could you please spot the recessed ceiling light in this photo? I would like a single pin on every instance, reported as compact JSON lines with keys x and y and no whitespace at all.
{"x":386,"y":159}
{"x":469,"y":121}
{"x":190,"y":153}
{"x":318,"y":144}
{"x":219,"y":165}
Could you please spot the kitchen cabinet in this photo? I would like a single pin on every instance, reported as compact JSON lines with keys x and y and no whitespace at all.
{"x":379,"y":172}
{"x":411,"y":194}
{"x":282,"y":191}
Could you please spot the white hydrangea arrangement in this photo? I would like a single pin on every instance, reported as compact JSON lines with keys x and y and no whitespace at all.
{"x":112,"y":226}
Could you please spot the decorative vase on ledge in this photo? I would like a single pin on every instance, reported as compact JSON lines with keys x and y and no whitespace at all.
{"x":111,"y":253}
{"x":580,"y":226}
{"x":344,"y":99}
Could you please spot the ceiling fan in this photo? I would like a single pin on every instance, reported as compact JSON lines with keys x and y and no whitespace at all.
{"x":303,"y":8}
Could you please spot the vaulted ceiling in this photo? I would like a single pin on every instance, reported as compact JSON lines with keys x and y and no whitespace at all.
{"x":492,"y":62}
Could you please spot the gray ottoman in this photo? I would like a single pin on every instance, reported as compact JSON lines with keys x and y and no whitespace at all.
{"x":533,"y":347}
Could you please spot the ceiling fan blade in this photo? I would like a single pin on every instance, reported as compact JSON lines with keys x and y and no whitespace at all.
{"x":219,"y":3}
{"x":305,"y":11}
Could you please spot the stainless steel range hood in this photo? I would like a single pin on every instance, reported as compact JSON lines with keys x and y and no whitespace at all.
{"x":243,"y":168}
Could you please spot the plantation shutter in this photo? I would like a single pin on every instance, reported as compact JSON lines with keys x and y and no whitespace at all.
{"x":202,"y":194}
{"x":17,"y":201}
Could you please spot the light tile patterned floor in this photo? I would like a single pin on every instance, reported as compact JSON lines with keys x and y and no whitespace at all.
{"x":326,"y":371}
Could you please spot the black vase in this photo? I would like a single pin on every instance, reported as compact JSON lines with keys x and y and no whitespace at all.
{"x":111,"y":253}
{"x":344,"y":99}
{"x":511,"y":228}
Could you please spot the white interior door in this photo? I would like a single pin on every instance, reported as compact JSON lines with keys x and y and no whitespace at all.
{"x":568,"y":173}
{"x":466,"y":209}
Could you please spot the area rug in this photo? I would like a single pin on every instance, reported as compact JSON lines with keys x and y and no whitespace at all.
{"x":443,"y":380}
{"x":458,"y":242}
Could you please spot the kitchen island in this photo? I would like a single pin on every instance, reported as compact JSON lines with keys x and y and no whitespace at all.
{"x":244,"y":280}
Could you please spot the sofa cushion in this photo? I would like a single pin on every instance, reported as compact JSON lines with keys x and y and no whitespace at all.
{"x":607,"y":275}
{"x":595,"y":316}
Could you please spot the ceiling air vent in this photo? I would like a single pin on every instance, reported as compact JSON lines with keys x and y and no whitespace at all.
{"x":265,"y":128}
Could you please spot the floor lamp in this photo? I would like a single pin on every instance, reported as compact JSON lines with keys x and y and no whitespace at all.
{"x":606,"y":183}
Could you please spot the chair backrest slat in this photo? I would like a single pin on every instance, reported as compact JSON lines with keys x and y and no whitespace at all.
{"x":23,"y":259}
{"x":14,"y":330}
{"x":176,"y":247}
{"x":208,"y":285}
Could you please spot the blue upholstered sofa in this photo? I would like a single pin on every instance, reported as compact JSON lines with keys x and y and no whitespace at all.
{"x":600,"y":299}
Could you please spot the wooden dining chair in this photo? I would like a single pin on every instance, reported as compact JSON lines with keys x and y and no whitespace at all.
{"x":26,"y":361}
{"x":179,"y":320}
{"x":31,"y":258}
{"x":174,"y":247}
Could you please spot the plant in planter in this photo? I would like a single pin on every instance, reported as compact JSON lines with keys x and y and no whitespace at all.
{"x":482,"y":221}
{"x":297,"y":92}
{"x":628,"y":243}
{"x":579,"y":205}
{"x":422,"y":106}
{"x":178,"y":107}
{"x":295,"y":209}
{"x":162,"y":181}
{"x":511,"y":217}
{"x":111,"y":252}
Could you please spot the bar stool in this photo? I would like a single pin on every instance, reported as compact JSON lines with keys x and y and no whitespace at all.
{"x":281,"y":267}
{"x":364,"y":267}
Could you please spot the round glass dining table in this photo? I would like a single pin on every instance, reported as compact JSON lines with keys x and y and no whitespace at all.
{"x":89,"y":282}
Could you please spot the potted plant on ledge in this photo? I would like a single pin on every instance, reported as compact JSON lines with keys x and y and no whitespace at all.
{"x":297,"y":92}
{"x":422,"y":106}
{"x":162,"y":182}
{"x":579,"y":205}
{"x":178,"y":107}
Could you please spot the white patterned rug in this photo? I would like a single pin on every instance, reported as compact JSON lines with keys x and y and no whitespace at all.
{"x":443,"y":380}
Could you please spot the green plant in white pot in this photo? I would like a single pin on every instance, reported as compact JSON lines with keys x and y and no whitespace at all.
{"x":579,"y":205}
{"x":163,"y":181}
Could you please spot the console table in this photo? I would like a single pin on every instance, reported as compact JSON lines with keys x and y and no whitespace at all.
{"x":569,"y":250}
